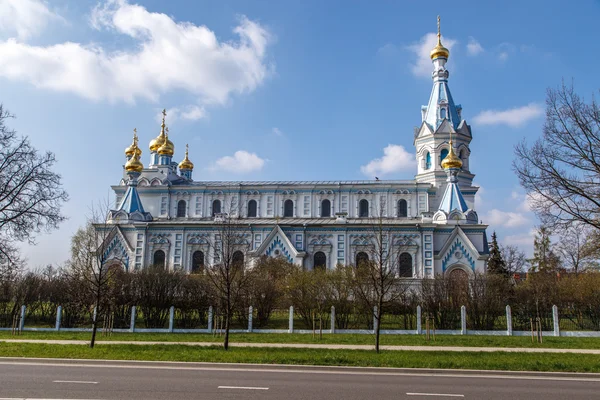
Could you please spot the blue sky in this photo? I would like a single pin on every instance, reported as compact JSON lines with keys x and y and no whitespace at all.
{"x":283,"y":90}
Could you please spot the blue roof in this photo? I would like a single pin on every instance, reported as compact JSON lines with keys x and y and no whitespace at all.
{"x":453,"y":199}
{"x":131,"y":201}
{"x":441,"y":93}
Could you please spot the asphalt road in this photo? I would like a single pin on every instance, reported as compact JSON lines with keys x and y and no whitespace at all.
{"x":61,"y":379}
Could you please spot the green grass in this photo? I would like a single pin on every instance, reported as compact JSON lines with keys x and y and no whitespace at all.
{"x":406,"y":340}
{"x":404,"y":359}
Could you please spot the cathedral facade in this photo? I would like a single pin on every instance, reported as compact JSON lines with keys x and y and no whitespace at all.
{"x":164,"y":216}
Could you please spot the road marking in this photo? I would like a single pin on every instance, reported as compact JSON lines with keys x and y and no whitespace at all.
{"x":243,"y":387}
{"x":86,"y":382}
{"x":435,"y":394}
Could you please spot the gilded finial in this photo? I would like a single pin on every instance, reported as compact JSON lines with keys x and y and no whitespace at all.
{"x":160,"y":139}
{"x":133,"y":149}
{"x":451,"y":160}
{"x":439,"y":50}
{"x":164,"y":114}
{"x":186,"y":163}
{"x":167,"y":148}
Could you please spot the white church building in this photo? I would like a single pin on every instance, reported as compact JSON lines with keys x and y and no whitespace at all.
{"x":164,"y":216}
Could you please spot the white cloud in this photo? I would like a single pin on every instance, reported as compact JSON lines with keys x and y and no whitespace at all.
{"x":395,"y":158}
{"x":277,"y":132}
{"x":189,"y":112}
{"x":241,"y":162}
{"x":168,"y":56}
{"x":513,"y":117}
{"x":479,"y":197}
{"x":503,"y":56}
{"x":422,"y":66}
{"x":505,"y":219}
{"x":25,"y":18}
{"x":474,"y":47}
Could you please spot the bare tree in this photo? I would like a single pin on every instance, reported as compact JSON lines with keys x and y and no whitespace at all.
{"x":514,"y":259}
{"x":31,"y":193}
{"x":561,"y":170}
{"x":93,"y":263}
{"x":575,"y":247}
{"x":228,"y":272}
{"x":377,"y":279}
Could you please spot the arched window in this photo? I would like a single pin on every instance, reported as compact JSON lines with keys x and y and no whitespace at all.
{"x":361,"y":258}
{"x":443,"y":154}
{"x":252,"y":208}
{"x":428,"y":160}
{"x":197,"y":262}
{"x":463,"y":157}
{"x":363,"y":208}
{"x":288,"y":208}
{"x":402,"y":208}
{"x":320,"y":261}
{"x":405,"y":265}
{"x":237,"y":261}
{"x":159,"y":259}
{"x":216,"y":207}
{"x":181,"y":206}
{"x":325,"y":208}
{"x":442,"y":113}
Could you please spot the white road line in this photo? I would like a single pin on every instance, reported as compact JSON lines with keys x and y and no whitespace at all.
{"x":435,"y":394}
{"x":85,"y":382}
{"x":243,"y":387}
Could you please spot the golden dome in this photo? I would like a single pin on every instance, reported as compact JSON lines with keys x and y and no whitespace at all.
{"x":451,"y":160}
{"x":131,"y":150}
{"x":167,"y":148}
{"x":439,"y":50}
{"x":134,"y":164}
{"x":186,"y":163}
{"x":160,"y":139}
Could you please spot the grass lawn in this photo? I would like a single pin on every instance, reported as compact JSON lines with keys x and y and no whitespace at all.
{"x":408,"y":340}
{"x":406,"y":359}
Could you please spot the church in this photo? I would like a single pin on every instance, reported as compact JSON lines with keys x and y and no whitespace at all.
{"x":165,"y":217}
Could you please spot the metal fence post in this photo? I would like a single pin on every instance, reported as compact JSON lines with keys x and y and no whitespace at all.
{"x":332,"y":319}
{"x":250,"y":309}
{"x":132,"y":323}
{"x":291,"y":322}
{"x":555,"y":320}
{"x":58,"y":317}
{"x":509,"y":328}
{"x":419,"y":330}
{"x":374,"y":319}
{"x":171,"y":318}
{"x":23,"y":309}
{"x":463,"y":320}
{"x":210,"y":319}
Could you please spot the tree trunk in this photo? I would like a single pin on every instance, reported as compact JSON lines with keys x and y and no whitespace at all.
{"x":227,"y":321}
{"x":378,"y":321}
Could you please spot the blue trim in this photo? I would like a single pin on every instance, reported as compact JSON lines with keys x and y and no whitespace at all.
{"x":457,"y":245}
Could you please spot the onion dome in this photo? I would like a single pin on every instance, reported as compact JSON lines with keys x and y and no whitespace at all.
{"x":439,"y":50}
{"x":451,"y":160}
{"x":186,"y":163}
{"x":167,"y":148}
{"x":133,"y":149}
{"x":160,"y":139}
{"x":134,"y":164}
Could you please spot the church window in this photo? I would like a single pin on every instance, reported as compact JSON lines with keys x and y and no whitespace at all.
{"x":181,"y":206}
{"x":402,"y":208}
{"x":363,"y":209}
{"x":252,"y":208}
{"x":442,"y":113}
{"x":237,"y":261}
{"x":326,"y":208}
{"x":288,"y":208}
{"x":361,"y":258}
{"x":197,"y":262}
{"x":405,"y":265}
{"x":428,"y":160}
{"x":320,"y":261}
{"x":443,"y":154}
{"x":159,"y":259}
{"x":216,"y":207}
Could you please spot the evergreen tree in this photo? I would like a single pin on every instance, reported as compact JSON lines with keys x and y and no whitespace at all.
{"x":496,"y":264}
{"x":544,"y":258}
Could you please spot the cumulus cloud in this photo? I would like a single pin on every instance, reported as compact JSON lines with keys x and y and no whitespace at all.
{"x":507,"y":219}
{"x":514,"y":117}
{"x":277,"y":132}
{"x":474,"y":47}
{"x":25,"y":18}
{"x":422,"y":49}
{"x":167,"y":56}
{"x":241,"y":162}
{"x":187,"y":112}
{"x":395,"y":158}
